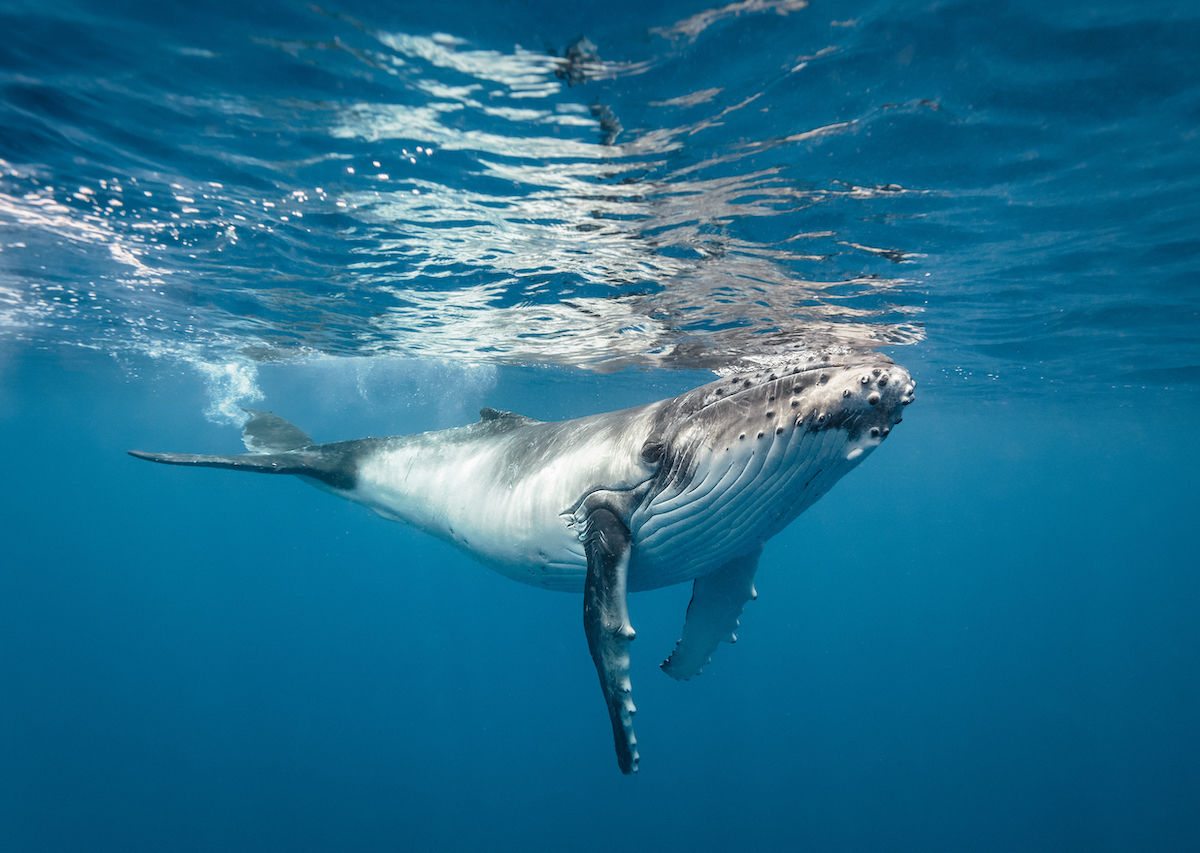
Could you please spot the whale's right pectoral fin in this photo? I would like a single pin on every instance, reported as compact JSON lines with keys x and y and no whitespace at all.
{"x":606,"y":623}
{"x":712,"y":615}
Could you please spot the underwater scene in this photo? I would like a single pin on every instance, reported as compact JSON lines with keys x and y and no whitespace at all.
{"x":607,"y":304}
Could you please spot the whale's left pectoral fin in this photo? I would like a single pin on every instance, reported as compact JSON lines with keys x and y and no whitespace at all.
{"x":712,"y":615}
{"x":606,"y":623}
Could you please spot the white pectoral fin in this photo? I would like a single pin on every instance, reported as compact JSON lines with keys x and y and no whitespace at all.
{"x":606,"y":623}
{"x":712,"y":615}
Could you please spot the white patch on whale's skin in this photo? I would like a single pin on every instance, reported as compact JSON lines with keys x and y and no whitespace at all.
{"x":501,"y":497}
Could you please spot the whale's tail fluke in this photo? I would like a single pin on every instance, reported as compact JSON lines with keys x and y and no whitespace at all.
{"x":315,"y":462}
{"x":276,"y":447}
{"x":266,"y":432}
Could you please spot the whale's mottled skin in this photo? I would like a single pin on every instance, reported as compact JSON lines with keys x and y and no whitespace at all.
{"x":683,"y":489}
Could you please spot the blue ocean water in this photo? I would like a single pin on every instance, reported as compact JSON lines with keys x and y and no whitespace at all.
{"x":377,"y":220}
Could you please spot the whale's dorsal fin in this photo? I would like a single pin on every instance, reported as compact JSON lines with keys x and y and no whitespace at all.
{"x":504,"y":420}
{"x":268,"y":433}
{"x":712,"y":615}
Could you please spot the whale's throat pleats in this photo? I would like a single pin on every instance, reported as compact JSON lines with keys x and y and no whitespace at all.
{"x":719,"y":498}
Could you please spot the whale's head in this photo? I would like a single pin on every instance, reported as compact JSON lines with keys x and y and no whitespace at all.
{"x":849,"y":406}
{"x":741,"y":457}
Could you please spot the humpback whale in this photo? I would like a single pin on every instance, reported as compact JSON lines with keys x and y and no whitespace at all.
{"x":686,"y":488}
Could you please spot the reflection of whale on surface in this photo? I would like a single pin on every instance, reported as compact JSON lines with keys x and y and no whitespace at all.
{"x":685,"y":488}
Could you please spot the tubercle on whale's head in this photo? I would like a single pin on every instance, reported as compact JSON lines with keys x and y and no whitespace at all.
{"x":864,"y":396}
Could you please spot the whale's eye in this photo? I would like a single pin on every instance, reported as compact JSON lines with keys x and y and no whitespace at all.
{"x":652,"y":452}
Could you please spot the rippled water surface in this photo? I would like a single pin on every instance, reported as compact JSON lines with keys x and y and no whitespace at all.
{"x":1012,"y":192}
{"x":377,"y":217}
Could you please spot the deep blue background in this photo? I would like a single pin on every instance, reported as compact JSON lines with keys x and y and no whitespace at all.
{"x":982,"y":639}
